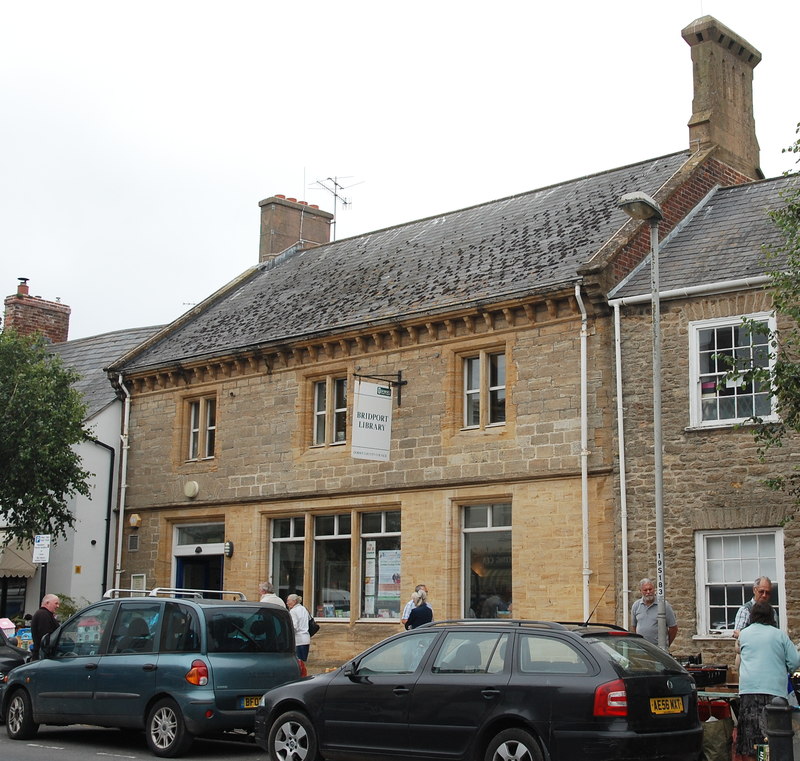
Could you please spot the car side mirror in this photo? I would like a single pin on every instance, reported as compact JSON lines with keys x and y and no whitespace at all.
{"x":46,"y":648}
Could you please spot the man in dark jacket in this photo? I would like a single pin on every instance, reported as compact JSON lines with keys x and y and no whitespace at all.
{"x":43,"y":622}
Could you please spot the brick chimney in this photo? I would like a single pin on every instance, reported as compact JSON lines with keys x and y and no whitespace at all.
{"x":286,"y":222}
{"x":28,"y":314}
{"x":722,"y":108}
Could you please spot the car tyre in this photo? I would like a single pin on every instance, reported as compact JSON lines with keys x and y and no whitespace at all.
{"x":19,"y":717}
{"x":292,"y":738}
{"x":513,"y":745}
{"x":165,"y":730}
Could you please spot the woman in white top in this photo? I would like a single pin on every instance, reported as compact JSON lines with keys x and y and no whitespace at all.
{"x":300,"y":616}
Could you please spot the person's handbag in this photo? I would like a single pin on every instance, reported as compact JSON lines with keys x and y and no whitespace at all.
{"x":313,"y":626}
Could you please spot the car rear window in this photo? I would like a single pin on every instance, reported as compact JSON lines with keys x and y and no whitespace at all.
{"x":248,"y":630}
{"x":634,"y":655}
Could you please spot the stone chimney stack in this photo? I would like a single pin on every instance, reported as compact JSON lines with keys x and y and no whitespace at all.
{"x":722,"y":108}
{"x":28,"y":314}
{"x":287,"y":222}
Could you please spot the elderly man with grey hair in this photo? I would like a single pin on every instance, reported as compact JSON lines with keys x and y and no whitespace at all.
{"x":267,"y":590}
{"x":644,"y":615}
{"x":43,"y":622}
{"x":762,"y":591}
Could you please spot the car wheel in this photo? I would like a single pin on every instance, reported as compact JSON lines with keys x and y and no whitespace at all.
{"x":19,"y":717}
{"x":513,"y":745}
{"x":166,"y":731}
{"x":292,"y":738}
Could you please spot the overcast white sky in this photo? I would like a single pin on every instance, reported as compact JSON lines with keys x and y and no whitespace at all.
{"x":138,"y":138}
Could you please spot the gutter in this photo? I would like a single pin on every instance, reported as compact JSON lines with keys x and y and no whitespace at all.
{"x":723,"y":286}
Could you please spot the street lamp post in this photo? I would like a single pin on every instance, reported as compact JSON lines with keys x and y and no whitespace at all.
{"x":641,"y":206}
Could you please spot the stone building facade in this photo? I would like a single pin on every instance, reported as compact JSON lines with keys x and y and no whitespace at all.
{"x":723,"y":526}
{"x":493,"y":330}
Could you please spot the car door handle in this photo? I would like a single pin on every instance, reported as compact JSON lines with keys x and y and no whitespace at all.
{"x":401,"y":691}
{"x":90,"y":666}
{"x":490,"y":692}
{"x":149,"y":667}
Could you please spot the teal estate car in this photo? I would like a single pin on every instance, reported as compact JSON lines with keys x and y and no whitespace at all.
{"x":176,"y":667}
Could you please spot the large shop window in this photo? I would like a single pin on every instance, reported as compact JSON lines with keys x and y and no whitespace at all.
{"x":487,"y":560}
{"x":330,"y":412}
{"x":332,"y":562}
{"x":380,"y":565}
{"x":288,"y":564}
{"x":712,"y":343}
{"x":728,"y":564}
{"x":484,"y":389}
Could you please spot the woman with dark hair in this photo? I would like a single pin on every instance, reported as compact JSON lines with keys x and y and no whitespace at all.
{"x":767,"y":657}
{"x":421,"y":613}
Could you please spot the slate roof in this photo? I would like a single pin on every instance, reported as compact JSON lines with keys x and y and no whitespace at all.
{"x":525,"y":243}
{"x":722,"y":240}
{"x":88,"y":357}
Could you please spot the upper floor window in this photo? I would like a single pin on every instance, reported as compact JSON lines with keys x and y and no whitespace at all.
{"x":330,"y":411}
{"x":727,"y":564}
{"x":484,"y":389}
{"x":716,"y":344}
{"x":202,"y":417}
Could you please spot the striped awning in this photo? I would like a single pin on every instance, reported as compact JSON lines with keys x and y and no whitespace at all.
{"x":16,"y":563}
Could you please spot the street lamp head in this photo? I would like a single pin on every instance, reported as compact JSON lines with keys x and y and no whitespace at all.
{"x":640,"y":206}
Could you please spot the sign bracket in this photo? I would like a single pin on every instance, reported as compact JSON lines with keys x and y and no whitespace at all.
{"x":395,"y":380}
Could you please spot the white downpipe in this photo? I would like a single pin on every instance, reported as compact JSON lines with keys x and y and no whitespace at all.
{"x":587,"y":572}
{"x":623,"y":487}
{"x":123,"y":480}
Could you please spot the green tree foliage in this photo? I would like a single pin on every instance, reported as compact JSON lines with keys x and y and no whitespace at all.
{"x":41,"y":418}
{"x":784,"y":377}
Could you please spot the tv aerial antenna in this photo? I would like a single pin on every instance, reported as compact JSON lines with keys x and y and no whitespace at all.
{"x":336,"y":189}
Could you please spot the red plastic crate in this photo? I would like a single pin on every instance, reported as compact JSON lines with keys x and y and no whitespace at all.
{"x":719,"y":709}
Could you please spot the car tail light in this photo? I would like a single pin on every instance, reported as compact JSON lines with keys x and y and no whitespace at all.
{"x":198,"y":673}
{"x":303,"y":669}
{"x":611,"y":699}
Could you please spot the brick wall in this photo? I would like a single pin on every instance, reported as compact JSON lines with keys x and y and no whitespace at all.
{"x":28,"y":314}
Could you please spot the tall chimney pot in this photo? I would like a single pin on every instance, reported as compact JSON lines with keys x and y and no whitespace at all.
{"x":722,"y":107}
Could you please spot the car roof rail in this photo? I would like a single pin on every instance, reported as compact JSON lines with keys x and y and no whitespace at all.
{"x":594,"y":625}
{"x":172,"y":592}
{"x":495,"y":622}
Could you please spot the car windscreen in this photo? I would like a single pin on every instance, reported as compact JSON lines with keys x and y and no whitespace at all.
{"x":633,"y":655}
{"x":248,"y":630}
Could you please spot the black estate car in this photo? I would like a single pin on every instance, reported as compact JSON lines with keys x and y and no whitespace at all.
{"x":491,"y":690}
